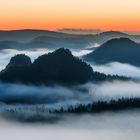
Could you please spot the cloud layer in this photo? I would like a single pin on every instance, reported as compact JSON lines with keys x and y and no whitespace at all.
{"x":119,"y":69}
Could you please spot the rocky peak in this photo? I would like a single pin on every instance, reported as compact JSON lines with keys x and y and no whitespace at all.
{"x":19,"y":60}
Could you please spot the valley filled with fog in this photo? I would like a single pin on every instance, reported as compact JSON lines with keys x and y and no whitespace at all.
{"x":69,"y":69}
{"x":105,"y":104}
{"x":29,"y":121}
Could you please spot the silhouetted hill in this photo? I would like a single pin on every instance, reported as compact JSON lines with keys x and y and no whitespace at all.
{"x":19,"y":61}
{"x":58,"y":67}
{"x":62,"y":67}
{"x":17,"y":69}
{"x":121,"y":50}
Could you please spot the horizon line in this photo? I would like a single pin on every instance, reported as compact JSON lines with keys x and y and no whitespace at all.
{"x":59,"y":30}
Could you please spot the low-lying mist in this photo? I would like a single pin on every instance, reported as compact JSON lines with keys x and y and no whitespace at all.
{"x":103,"y":126}
{"x":28,"y":103}
{"x":80,"y":53}
{"x":121,"y":69}
{"x":65,"y":96}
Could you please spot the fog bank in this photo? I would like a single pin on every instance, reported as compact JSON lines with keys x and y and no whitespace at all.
{"x":119,"y":69}
{"x":103,"y":126}
{"x":79,"y":94}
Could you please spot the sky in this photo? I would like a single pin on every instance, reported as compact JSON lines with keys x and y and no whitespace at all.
{"x":78,"y":14}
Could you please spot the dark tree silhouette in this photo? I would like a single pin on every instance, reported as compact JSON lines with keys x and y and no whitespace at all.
{"x":113,"y":105}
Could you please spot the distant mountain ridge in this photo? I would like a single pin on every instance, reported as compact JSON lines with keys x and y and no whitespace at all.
{"x":35,"y":39}
{"x":25,"y":35}
{"x":121,"y":50}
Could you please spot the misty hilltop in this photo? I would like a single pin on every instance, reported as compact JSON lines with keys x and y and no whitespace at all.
{"x":58,"y":67}
{"x":121,"y":50}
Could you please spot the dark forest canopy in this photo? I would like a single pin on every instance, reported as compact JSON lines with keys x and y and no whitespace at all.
{"x":100,"y":106}
{"x":58,"y":67}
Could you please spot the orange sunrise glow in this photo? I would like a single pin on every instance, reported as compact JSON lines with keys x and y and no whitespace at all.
{"x":57,"y":14}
